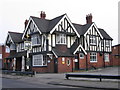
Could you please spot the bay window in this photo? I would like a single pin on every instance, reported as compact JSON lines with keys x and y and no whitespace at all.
{"x":39,"y":60}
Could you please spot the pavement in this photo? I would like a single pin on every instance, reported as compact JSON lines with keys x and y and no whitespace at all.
{"x":59,"y":79}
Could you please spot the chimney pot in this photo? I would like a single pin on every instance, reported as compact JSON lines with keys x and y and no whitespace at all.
{"x":89,"y":18}
{"x":26,"y":22}
{"x":42,"y":15}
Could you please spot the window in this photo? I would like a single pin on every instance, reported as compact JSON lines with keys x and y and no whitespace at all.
{"x":107,"y":42}
{"x":35,"y":40}
{"x":39,"y":60}
{"x":0,"y":56}
{"x":106,"y":56}
{"x":92,"y":40}
{"x":81,"y":56}
{"x":102,"y":43}
{"x":61,"y":39}
{"x":68,"y":62}
{"x":7,"y":50}
{"x":20,"y":47}
{"x":93,"y":57}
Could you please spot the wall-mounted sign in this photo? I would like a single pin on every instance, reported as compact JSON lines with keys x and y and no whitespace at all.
{"x":27,"y":45}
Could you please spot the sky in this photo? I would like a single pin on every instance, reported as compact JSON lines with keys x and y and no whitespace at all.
{"x":13,"y":13}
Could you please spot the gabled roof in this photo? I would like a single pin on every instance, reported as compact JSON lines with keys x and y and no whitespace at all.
{"x":81,"y":29}
{"x":104,"y":34}
{"x":15,"y":36}
{"x":45,"y":25}
{"x":75,"y":47}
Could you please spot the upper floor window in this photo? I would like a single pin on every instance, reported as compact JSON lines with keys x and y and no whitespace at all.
{"x":35,"y":39}
{"x":102,"y":43}
{"x":93,"y":57}
{"x":61,"y":39}
{"x":107,"y":42}
{"x":92,"y":40}
{"x":20,"y":47}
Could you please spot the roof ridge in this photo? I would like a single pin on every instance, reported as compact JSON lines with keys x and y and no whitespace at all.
{"x":15,"y":32}
{"x":39,"y":18}
{"x":58,"y":16}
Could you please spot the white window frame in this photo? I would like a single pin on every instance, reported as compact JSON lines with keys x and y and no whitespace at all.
{"x":106,"y":57}
{"x":0,"y":55}
{"x":107,"y":42}
{"x":82,"y":55}
{"x":60,"y":39}
{"x":37,"y":57}
{"x":102,"y":43}
{"x":93,"y":57}
{"x":35,"y":39}
{"x":92,"y":40}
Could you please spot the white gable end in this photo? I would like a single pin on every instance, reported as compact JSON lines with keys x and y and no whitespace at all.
{"x":64,"y":25}
{"x":95,"y":28}
{"x":27,"y":29}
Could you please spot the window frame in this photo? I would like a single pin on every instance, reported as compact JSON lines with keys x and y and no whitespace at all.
{"x":106,"y":55}
{"x":68,"y":62}
{"x":92,"y":40}
{"x":35,"y":40}
{"x":61,"y":39}
{"x":107,"y":43}
{"x":38,"y":59}
{"x":94,"y":57}
{"x":82,"y":56}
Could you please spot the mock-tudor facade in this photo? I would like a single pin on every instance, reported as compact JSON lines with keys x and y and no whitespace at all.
{"x":58,"y":45}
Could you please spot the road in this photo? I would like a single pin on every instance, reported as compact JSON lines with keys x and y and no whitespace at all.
{"x":16,"y":83}
{"x":53,"y":80}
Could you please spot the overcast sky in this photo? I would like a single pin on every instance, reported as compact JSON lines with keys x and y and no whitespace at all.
{"x":14,"y":12}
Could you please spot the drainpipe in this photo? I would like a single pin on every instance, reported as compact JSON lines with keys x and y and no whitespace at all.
{"x":103,"y":54}
{"x":86,"y":63}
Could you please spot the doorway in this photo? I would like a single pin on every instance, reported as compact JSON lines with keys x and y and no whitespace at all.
{"x":55,"y":65}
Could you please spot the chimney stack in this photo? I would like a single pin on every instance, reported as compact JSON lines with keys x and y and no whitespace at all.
{"x":42,"y":15}
{"x":89,"y":18}
{"x":26,"y":22}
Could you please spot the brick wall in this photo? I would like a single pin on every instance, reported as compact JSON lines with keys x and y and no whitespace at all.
{"x":51,"y":66}
{"x":65,"y":67}
{"x":115,"y":60}
{"x":40,"y":69}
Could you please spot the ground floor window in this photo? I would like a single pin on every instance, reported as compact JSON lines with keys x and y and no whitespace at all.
{"x":93,"y":57}
{"x":39,"y":60}
{"x":106,"y":56}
